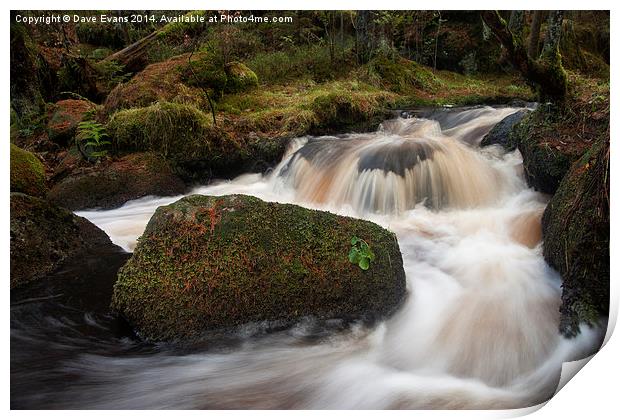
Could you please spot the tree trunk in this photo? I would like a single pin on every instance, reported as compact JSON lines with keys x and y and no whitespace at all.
{"x":532,"y":48}
{"x":554,"y":31}
{"x":363,"y":39}
{"x":515,"y":23}
{"x":134,"y":56}
{"x":546,"y":75}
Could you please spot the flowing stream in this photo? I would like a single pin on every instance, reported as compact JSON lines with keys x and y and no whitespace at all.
{"x":479,"y":328}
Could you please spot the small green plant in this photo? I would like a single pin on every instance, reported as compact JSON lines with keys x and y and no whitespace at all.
{"x":360,"y":253}
{"x":93,"y":135}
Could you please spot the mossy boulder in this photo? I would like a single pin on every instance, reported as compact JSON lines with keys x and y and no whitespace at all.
{"x":401,"y":75}
{"x":501,"y":132}
{"x":64,"y":117}
{"x":112,"y":183}
{"x":547,"y":153}
{"x":44,"y":236}
{"x":576,"y":239}
{"x":338,"y":111}
{"x":164,"y":81}
{"x":239,"y":77}
{"x":182,"y":134}
{"x":207,"y":263}
{"x":27,"y":173}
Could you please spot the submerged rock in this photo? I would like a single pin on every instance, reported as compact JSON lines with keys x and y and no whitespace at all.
{"x":27,"y":173}
{"x":500,"y":134}
{"x":576,"y":239}
{"x":44,"y":236}
{"x":127,"y":178}
{"x":208,"y":262}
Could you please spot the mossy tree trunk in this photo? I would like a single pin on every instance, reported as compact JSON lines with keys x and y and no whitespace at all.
{"x":133,"y":57}
{"x":546,"y":74}
{"x":515,"y":24}
{"x":532,"y":47}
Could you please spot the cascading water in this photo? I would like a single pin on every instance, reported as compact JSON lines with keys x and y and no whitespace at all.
{"x":479,"y":328}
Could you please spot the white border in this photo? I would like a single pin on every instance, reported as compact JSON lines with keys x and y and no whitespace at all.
{"x":591,"y":395}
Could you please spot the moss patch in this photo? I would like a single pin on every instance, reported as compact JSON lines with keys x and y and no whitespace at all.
{"x":576,"y":239}
{"x":214,"y":262}
{"x":240,"y":77}
{"x":27,"y":173}
{"x":158,"y":82}
{"x":554,"y":136}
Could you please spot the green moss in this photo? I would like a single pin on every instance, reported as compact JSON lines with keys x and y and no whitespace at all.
{"x":402,"y":75}
{"x":576,"y":239}
{"x":216,"y":262}
{"x":544,"y":165}
{"x":27,"y":172}
{"x":178,"y":29}
{"x":165,"y":81}
{"x":346,"y":110}
{"x":240,"y":77}
{"x":182,"y":134}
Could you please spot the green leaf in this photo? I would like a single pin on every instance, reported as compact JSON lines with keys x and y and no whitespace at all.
{"x":354,"y":240}
{"x":364,"y":263}
{"x":354,"y":256}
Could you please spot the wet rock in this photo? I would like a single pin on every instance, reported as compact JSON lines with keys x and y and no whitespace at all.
{"x":500,"y":134}
{"x":576,"y":239}
{"x":27,"y":173}
{"x":44,"y":236}
{"x":111,"y":184}
{"x":207,"y":262}
{"x":548,"y":147}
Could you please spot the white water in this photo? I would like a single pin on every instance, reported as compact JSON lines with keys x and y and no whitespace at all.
{"x":479,"y":327}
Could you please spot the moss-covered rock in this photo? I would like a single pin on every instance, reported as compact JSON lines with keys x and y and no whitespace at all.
{"x":402,"y":75}
{"x":27,"y":173}
{"x":576,"y":239}
{"x":163,"y":81}
{"x":215,"y":262}
{"x":239,"y":77}
{"x":64,"y":117}
{"x":44,"y":236}
{"x":546,"y":158}
{"x":182,"y":134}
{"x":115,"y":182}
{"x":340,"y":111}
{"x":501,"y":132}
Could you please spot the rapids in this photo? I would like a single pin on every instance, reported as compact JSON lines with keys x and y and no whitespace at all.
{"x":479,"y":328}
